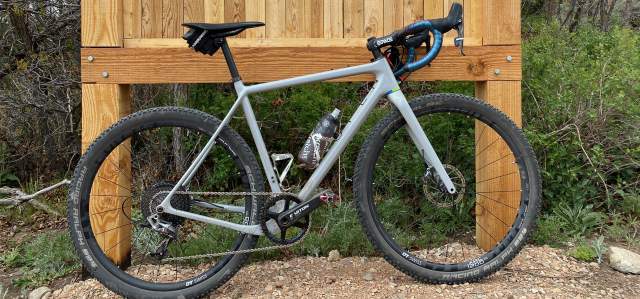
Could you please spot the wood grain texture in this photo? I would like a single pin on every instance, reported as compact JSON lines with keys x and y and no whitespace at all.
{"x":433,"y":9}
{"x":473,"y":20}
{"x":151,"y":18}
{"x":110,"y":202}
{"x":132,"y":18}
{"x":234,"y":11}
{"x":294,"y":19}
{"x":214,"y":11}
{"x":314,"y":18}
{"x":102,"y":23}
{"x":275,"y":16}
{"x":258,"y":64}
{"x":193,"y":11}
{"x":373,"y":18}
{"x":413,"y":11}
{"x":497,"y":177}
{"x":333,"y":19}
{"x":353,"y":18}
{"x":255,"y":11}
{"x":501,"y":22}
{"x":393,"y":15}
{"x":172,"y":18}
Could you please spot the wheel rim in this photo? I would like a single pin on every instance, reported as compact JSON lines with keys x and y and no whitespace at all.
{"x":444,"y":237}
{"x":221,"y":171}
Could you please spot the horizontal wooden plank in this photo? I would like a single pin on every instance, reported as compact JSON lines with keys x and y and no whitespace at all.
{"x":271,"y":42}
{"x":182,"y":65}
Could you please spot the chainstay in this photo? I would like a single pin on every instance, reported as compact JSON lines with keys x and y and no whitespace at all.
{"x":250,"y":250}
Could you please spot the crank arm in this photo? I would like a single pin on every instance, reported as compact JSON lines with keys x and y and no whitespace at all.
{"x":289,"y":217}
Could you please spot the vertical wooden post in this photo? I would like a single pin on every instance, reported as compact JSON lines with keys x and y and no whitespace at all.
{"x":102,"y":105}
{"x":110,"y":205}
{"x":496,"y":175}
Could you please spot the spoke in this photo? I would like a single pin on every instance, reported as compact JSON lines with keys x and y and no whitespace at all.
{"x":110,"y":181}
{"x":494,"y":161}
{"x":486,"y":147}
{"x":496,"y":217}
{"x":497,"y":177}
{"x":494,"y":200}
{"x":488,"y":233}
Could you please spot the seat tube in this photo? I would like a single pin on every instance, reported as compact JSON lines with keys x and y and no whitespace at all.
{"x":257,"y":137}
{"x":231,"y":64}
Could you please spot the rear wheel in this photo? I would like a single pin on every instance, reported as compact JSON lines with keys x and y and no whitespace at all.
{"x":415,"y":223}
{"x":112,"y":200}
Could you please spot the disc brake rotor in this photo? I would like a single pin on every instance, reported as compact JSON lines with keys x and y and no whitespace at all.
{"x":435,"y":191}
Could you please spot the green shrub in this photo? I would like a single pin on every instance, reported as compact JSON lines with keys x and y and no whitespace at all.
{"x":581,"y":107}
{"x":48,"y":256}
{"x":550,"y":232}
{"x":583,"y":253}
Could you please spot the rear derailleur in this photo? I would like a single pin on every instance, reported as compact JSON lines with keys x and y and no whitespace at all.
{"x":167,"y":230}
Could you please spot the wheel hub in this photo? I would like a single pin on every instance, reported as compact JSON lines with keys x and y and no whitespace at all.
{"x":435,"y":191}
{"x":153,"y":196}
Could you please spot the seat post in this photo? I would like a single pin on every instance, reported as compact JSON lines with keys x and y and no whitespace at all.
{"x":233,"y":70}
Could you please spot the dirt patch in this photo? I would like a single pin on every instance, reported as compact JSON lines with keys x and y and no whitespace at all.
{"x":538,"y":272}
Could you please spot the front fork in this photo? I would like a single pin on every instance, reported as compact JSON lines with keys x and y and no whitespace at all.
{"x":420,"y":139}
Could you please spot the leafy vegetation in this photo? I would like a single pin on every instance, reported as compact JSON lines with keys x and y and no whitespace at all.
{"x":48,"y":256}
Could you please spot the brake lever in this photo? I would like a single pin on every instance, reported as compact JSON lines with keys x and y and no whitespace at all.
{"x":459,"y":41}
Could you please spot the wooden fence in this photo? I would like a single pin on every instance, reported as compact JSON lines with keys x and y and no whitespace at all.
{"x":138,"y":41}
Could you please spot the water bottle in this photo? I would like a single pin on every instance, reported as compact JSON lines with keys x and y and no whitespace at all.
{"x":318,"y":142}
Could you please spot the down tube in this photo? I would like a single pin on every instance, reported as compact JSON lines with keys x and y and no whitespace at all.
{"x":358,"y":118}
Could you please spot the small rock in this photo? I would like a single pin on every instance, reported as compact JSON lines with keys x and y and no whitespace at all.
{"x":269,"y":288}
{"x":368,"y":276}
{"x":334,"y":255}
{"x":237,"y":294}
{"x":39,"y":293}
{"x":624,"y":260}
{"x":279,"y":284}
{"x":331,"y":279}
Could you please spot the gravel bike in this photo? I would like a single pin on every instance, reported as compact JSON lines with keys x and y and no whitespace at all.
{"x":196,"y":199}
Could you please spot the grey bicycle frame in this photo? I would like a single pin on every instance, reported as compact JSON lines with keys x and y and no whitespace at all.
{"x":386,"y":85}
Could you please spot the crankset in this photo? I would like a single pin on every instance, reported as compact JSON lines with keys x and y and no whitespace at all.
{"x":294,"y":228}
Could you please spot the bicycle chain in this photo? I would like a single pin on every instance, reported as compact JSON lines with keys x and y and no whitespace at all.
{"x":250,"y":250}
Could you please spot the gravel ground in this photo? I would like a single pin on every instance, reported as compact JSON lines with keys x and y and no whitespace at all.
{"x":537,"y":272}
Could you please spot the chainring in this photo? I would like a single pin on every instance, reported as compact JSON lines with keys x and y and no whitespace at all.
{"x":302,"y":225}
{"x":153,"y":196}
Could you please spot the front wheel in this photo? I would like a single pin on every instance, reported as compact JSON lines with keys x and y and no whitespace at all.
{"x":415,"y":223}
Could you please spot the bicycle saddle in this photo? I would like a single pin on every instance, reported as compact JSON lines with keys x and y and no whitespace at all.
{"x":223,"y":29}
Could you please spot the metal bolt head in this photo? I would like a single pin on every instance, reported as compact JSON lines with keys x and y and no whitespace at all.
{"x":509,"y":58}
{"x":497,"y":72}
{"x":105,"y":74}
{"x":91,"y":58}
